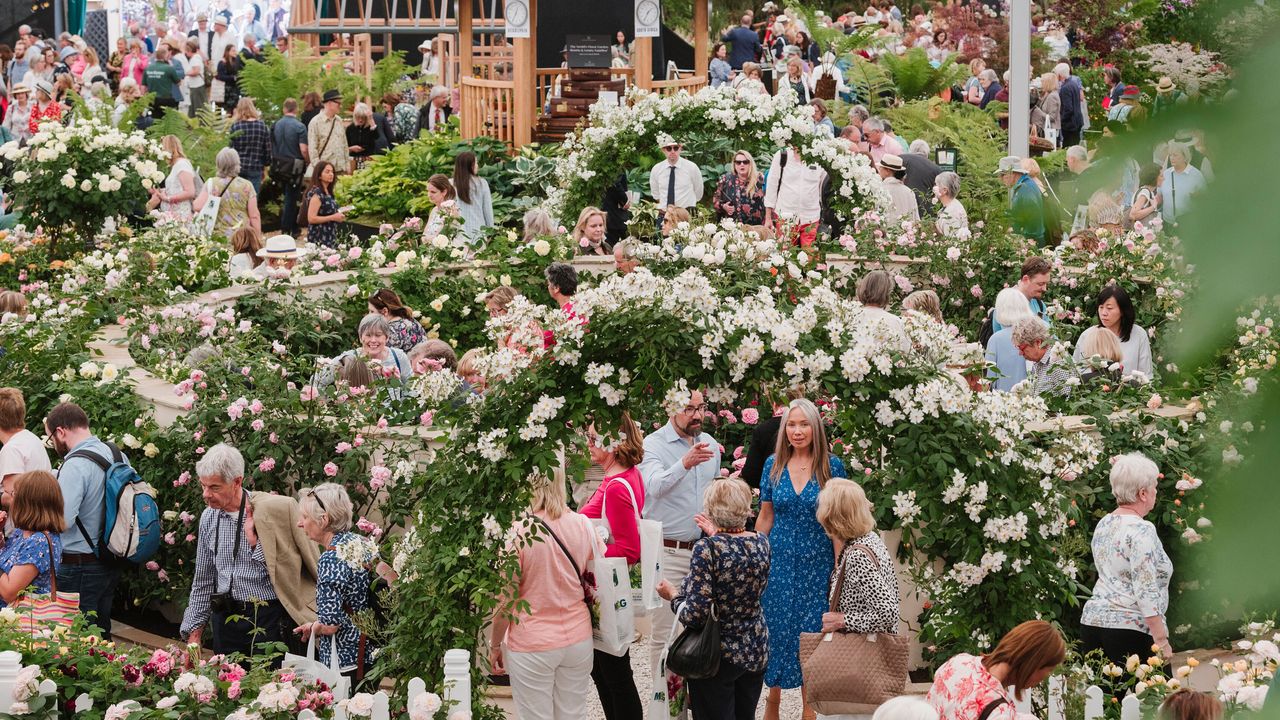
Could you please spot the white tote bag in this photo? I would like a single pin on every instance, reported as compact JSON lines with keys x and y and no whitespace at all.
{"x":617,"y":626}
{"x":645,"y":597}
{"x":202,"y":224}
{"x":312,"y":669}
{"x":217,"y":92}
{"x":668,"y":697}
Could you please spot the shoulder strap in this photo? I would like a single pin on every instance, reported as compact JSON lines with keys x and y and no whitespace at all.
{"x":991,"y":707}
{"x":604,"y":499}
{"x":53,"y":576}
{"x":576,"y":570}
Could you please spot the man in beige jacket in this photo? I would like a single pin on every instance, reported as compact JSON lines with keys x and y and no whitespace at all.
{"x":255,"y":576}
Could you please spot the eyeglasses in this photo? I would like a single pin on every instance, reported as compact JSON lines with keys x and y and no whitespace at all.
{"x":669,"y":148}
{"x":696,"y":408}
{"x":319,"y":502}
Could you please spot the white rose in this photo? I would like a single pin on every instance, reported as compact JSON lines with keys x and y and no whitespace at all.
{"x":21,"y":176}
{"x":440,"y":242}
{"x":89,"y":370}
{"x":360,"y":704}
{"x":109,"y":372}
{"x":542,"y":247}
{"x":86,"y":186}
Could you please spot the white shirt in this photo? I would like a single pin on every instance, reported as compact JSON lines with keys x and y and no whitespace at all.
{"x":220,"y":43}
{"x":953,"y":219}
{"x":799,"y":198}
{"x":195,"y":61}
{"x":1177,"y":189}
{"x":689,"y":187}
{"x":1135,"y":353}
{"x":23,"y":453}
{"x":904,"y":202}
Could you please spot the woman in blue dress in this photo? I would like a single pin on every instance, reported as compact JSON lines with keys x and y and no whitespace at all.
{"x":803,"y":555}
{"x":33,"y":551}
{"x":345,"y":574}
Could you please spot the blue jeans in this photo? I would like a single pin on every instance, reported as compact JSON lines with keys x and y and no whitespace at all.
{"x":289,"y":211}
{"x":255,"y":179}
{"x":96,"y":584}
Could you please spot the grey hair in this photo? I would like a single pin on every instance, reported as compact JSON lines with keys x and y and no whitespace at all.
{"x":989,"y":75}
{"x":949,"y":183}
{"x":372,"y":324}
{"x":875,"y":288}
{"x":874,"y":123}
{"x":1077,"y":152}
{"x":538,"y":222}
{"x":860,"y":112}
{"x":1012,"y":307}
{"x":221,"y":461}
{"x":333,"y":511}
{"x":228,"y":163}
{"x":1130,"y":473}
{"x":727,"y":502}
{"x":919,"y":146}
{"x":905,"y":707}
{"x":1029,"y":331}
{"x":438,"y":91}
{"x":1062,"y":70}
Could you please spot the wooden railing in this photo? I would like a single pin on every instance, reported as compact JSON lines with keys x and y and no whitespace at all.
{"x":671,"y":87}
{"x":488,"y":108}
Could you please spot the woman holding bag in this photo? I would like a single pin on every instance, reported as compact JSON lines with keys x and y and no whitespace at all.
{"x":548,"y":650}
{"x":33,"y":551}
{"x":728,"y":572}
{"x":618,"y":501}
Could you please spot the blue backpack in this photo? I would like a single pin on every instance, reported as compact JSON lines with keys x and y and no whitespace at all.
{"x":131,"y":515}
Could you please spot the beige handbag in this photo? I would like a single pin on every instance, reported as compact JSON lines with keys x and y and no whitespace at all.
{"x":852,"y":673}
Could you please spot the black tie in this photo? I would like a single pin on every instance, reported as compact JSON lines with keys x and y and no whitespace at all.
{"x":671,"y":187}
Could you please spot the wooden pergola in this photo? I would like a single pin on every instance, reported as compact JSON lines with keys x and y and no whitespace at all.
{"x":502,"y":90}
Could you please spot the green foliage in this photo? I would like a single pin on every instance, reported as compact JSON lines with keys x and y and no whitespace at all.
{"x":915,"y":77}
{"x":280,"y":77}
{"x":390,"y":75}
{"x":202,"y":136}
{"x":976,"y":135}
{"x":871,"y":83}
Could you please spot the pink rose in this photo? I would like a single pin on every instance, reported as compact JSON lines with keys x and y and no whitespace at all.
{"x":233,"y":691}
{"x":183,"y":479}
{"x":354,"y":253}
{"x":267,"y":465}
{"x":750,"y":416}
{"x":330,"y":469}
{"x":152,"y":565}
{"x":976,"y":291}
{"x":426,"y":418}
{"x":257,"y":425}
{"x":342,"y":447}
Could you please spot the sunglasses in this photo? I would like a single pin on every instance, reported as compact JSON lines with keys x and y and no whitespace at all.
{"x":319,"y":502}
{"x":671,"y":147}
{"x":741,"y":162}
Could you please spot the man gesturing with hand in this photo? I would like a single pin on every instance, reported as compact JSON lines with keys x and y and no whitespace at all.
{"x":680,"y":462}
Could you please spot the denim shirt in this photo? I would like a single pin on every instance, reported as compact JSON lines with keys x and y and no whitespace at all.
{"x":673,"y":495}
{"x":84,"y":486}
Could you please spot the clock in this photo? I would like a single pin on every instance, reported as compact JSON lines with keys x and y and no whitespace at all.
{"x":517,"y":13}
{"x":648,"y":13}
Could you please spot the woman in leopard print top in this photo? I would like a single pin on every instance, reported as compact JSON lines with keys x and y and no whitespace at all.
{"x":869,"y":600}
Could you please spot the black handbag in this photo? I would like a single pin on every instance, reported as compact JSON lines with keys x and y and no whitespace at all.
{"x":695,"y":653}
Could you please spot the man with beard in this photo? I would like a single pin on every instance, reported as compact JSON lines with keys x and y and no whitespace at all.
{"x":680,"y":462}
{"x":87,"y":568}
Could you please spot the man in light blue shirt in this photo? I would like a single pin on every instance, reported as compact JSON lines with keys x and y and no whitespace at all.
{"x":680,"y":462}
{"x":86,"y":567}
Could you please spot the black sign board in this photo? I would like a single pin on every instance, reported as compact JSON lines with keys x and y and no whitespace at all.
{"x":589,"y":51}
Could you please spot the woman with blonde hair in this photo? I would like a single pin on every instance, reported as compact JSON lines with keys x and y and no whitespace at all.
{"x":1099,"y":350}
{"x":497,"y":299}
{"x":12,"y":302}
{"x":739,"y":194}
{"x":545,"y":644}
{"x":790,"y":484}
{"x":672,"y":217}
{"x":180,"y":185}
{"x":362,"y":136}
{"x":1105,"y":213}
{"x":748,"y":80}
{"x":588,"y":233}
{"x":469,"y":370}
{"x":1048,"y":110}
{"x":925,"y":302}
{"x":864,"y":575}
{"x":251,"y":138}
{"x":538,"y":222}
{"x":617,"y":504}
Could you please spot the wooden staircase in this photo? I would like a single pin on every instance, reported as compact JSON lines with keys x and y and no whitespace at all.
{"x":577,"y":93}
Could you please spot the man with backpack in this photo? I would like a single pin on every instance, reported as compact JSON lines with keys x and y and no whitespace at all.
{"x":87,"y":568}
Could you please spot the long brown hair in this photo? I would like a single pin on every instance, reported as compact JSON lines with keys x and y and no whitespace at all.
{"x":463,"y":171}
{"x":1027,"y":649}
{"x":37,"y":503}
{"x":387,"y":299}
{"x":247,"y":240}
{"x":1190,"y":705}
{"x":318,"y":172}
{"x":631,"y":450}
{"x":441,"y":182}
{"x":820,"y":451}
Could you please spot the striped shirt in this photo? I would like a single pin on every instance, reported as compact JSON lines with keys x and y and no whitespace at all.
{"x":220,"y":570}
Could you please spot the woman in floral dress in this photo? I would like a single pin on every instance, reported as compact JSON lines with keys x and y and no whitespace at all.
{"x":803,"y":555}
{"x":740,"y":193}
{"x":344,"y":577}
{"x":405,"y":331}
{"x":968,"y":686}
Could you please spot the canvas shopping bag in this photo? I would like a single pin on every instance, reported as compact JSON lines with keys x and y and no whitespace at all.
{"x":308,"y":667}
{"x":668,"y":697}
{"x":644,"y":596}
{"x":617,"y":624}
{"x":202,"y":224}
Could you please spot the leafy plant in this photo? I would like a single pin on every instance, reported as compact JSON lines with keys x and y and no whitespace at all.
{"x":390,"y":75}
{"x":915,"y":77}
{"x":280,"y":77}
{"x":202,"y":136}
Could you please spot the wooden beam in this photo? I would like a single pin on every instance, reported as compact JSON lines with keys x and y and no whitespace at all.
{"x":642,"y":62}
{"x":525,"y":75}
{"x":701,"y":37}
{"x":465,"y":59}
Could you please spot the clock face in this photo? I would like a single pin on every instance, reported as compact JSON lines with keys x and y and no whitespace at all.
{"x":647,"y":13}
{"x":517,"y":13}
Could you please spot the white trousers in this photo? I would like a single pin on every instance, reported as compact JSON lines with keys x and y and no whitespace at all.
{"x":675,"y":566}
{"x":552,"y":684}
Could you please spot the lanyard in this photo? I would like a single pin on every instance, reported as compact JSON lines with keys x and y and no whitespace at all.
{"x":235,"y":551}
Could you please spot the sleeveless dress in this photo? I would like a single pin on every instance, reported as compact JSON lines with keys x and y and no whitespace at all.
{"x":796,"y":596}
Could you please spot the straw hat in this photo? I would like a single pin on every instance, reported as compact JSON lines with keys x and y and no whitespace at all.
{"x":1165,"y":85}
{"x":281,"y":247}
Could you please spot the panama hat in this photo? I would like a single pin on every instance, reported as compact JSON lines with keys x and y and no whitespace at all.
{"x":45,"y":87}
{"x":665,"y":141}
{"x":1010,"y":164}
{"x":892,"y":162}
{"x":20,"y":89}
{"x":281,"y":246}
{"x":1165,"y":85}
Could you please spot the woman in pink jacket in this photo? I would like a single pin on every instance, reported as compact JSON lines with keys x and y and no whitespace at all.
{"x":619,"y":501}
{"x":134,"y":63}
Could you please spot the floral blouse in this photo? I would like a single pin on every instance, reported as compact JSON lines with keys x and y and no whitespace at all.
{"x":341,"y":592}
{"x":962,"y":689}
{"x":729,"y":572}
{"x":1133,"y":575}
{"x":748,"y":203}
{"x":323,"y":233}
{"x":405,"y":333}
{"x":20,"y":549}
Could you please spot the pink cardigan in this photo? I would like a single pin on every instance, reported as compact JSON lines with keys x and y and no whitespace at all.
{"x":622,"y":515}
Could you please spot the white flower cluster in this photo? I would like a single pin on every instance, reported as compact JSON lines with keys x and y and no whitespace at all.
{"x":276,"y":697}
{"x":197,"y":686}
{"x":358,"y":552}
{"x":131,"y":153}
{"x":546,"y":408}
{"x":1006,"y":529}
